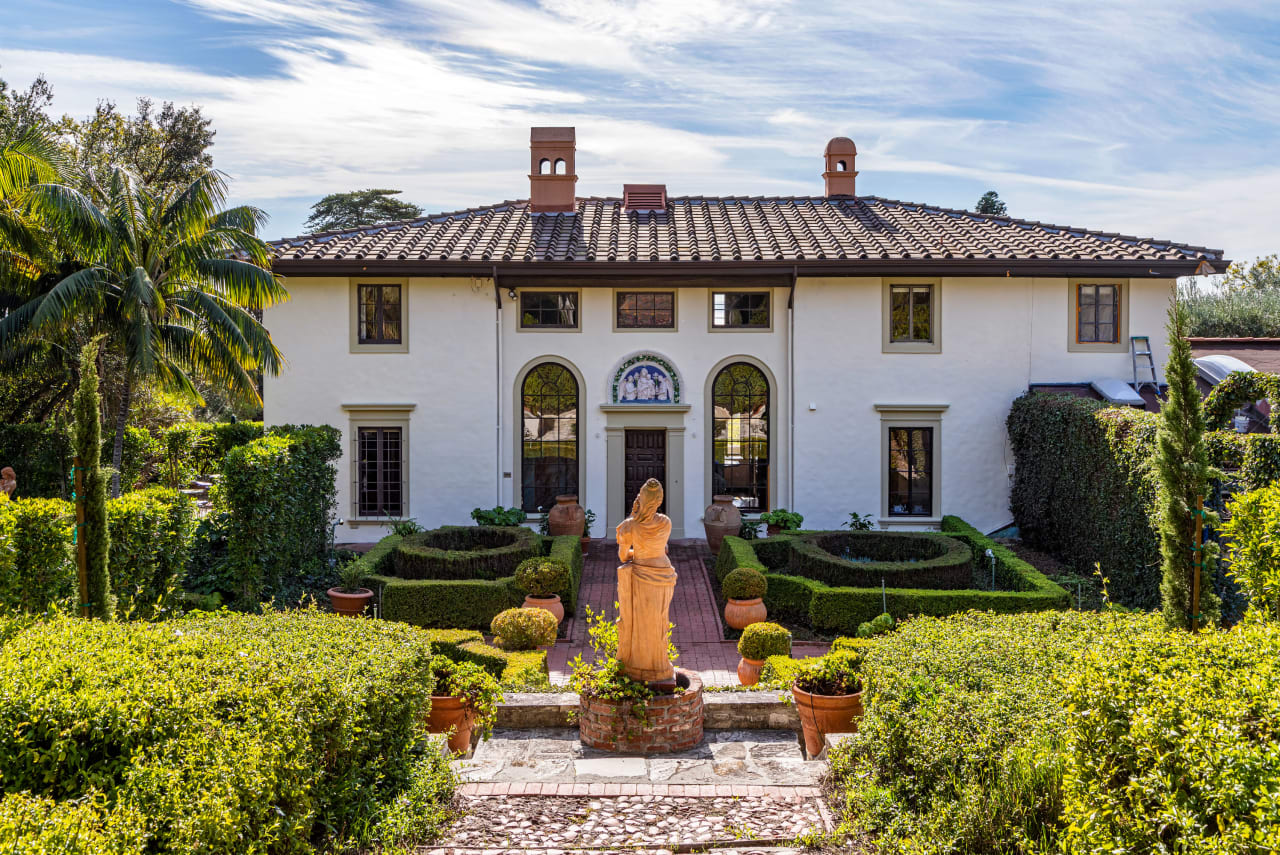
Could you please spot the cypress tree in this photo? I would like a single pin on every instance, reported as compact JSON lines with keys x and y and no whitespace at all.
{"x":88,"y":447}
{"x":1182,"y":465}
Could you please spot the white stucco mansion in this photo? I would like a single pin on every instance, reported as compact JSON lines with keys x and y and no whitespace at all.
{"x":827,"y":354}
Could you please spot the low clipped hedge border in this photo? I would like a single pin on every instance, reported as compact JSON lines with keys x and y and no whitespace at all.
{"x":943,"y":563}
{"x":465,"y":552}
{"x":515,"y":669}
{"x":840,"y":609}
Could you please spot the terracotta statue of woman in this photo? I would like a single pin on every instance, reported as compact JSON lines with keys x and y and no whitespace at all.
{"x":8,"y":481}
{"x":646,"y":581}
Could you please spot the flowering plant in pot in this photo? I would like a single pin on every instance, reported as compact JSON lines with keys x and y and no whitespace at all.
{"x":523,"y":629}
{"x":348,"y":598}
{"x":540,"y":578}
{"x":744,"y":591}
{"x":758,"y":642}
{"x":781,"y":520}
{"x":466,"y":698}
{"x":828,"y":696}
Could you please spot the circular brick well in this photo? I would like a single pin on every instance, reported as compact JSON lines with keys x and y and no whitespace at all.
{"x":674,"y":722}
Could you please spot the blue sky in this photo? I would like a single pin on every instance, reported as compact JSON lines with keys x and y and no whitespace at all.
{"x":1156,"y":118}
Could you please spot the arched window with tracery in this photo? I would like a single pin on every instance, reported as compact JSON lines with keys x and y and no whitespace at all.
{"x":740,"y":436}
{"x":549,"y":441}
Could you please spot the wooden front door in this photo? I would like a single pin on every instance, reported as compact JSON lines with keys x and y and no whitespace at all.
{"x":646,"y":457}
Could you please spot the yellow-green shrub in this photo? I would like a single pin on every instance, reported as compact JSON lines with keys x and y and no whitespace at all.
{"x":37,"y":563}
{"x":34,"y":825}
{"x":524,"y":629}
{"x":1253,"y":529}
{"x":151,"y":534}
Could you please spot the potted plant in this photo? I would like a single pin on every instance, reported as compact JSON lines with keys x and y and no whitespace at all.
{"x":540,"y":578}
{"x":781,"y":520}
{"x":523,"y":629}
{"x":349,"y":598}
{"x":586,"y":531}
{"x":744,"y":591}
{"x":828,"y":696}
{"x":758,"y":642}
{"x":467,"y":698}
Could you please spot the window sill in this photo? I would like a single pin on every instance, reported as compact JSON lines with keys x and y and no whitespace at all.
{"x":905,"y":521}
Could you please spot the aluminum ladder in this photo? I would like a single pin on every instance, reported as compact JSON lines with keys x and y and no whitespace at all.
{"x":1140,"y":350}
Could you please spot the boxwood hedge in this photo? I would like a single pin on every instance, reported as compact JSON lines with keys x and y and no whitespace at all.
{"x":465,"y":552}
{"x":224,"y":733}
{"x":513,"y":669}
{"x":903,"y":559}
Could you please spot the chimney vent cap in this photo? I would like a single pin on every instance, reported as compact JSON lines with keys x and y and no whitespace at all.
{"x":551,"y":135}
{"x":841,"y":145}
{"x":644,"y":197}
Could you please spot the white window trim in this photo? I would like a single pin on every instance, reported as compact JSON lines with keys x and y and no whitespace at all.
{"x":934,"y":345}
{"x":1121,"y":344}
{"x":909,"y":416}
{"x":383,"y":415}
{"x":519,"y":317}
{"x":356,"y":346}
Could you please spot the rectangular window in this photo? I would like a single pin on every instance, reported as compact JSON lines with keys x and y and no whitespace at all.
{"x":1097,"y":308}
{"x":740,"y":310}
{"x":646,"y":310}
{"x":911,"y":471}
{"x":548,"y":310}
{"x":379,"y":314}
{"x":380,"y":472}
{"x":911,"y":309}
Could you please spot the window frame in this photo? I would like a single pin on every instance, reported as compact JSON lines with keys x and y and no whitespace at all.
{"x":518,"y":431}
{"x":386,"y":417}
{"x":618,"y":293}
{"x":711,"y":310}
{"x":1121,"y":344}
{"x":358,"y":346}
{"x":908,"y":416}
{"x":934,"y":344}
{"x":545,"y":328}
{"x":770,"y":477}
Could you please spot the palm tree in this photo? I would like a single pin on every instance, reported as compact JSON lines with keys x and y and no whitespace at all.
{"x":171,"y":277}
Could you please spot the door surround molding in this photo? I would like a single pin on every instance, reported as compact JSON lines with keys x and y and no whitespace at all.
{"x":620,"y":417}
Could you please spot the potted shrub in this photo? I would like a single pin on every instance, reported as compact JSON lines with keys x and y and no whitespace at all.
{"x":586,"y":531}
{"x":828,"y":696}
{"x":758,"y":642}
{"x":349,"y":598}
{"x":467,"y":698}
{"x":744,"y":590}
{"x":781,"y":520}
{"x":540,"y":578}
{"x":523,"y":629}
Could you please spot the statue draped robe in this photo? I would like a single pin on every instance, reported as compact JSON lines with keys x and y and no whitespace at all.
{"x":646,"y":582}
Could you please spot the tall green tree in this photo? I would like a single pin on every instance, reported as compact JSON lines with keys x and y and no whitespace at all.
{"x":989,"y":203}
{"x":359,"y":208}
{"x":1182,"y":465}
{"x":1263,"y":274}
{"x":88,"y":450}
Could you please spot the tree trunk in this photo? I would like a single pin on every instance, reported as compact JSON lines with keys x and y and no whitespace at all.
{"x":122,"y":421}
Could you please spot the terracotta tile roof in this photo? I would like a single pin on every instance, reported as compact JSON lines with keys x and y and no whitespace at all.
{"x":808,"y":230}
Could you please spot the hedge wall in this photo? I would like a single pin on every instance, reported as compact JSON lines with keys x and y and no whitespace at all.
{"x":37,"y":563}
{"x":940,"y":562}
{"x":151,"y":534}
{"x":465,"y":552}
{"x":515,"y":669}
{"x":1084,"y":487}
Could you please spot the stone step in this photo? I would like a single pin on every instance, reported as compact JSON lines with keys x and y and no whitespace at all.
{"x":722,"y":711}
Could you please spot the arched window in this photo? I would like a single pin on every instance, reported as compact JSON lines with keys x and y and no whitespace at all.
{"x":841,"y":166}
{"x":740,"y":436}
{"x":559,"y":168}
{"x":544,"y":166}
{"x":549,"y":444}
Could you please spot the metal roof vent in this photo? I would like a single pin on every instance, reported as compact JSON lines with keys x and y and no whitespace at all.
{"x":644,"y":197}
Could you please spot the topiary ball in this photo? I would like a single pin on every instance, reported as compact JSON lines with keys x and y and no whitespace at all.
{"x":543,"y":577}
{"x":524,"y":629}
{"x":744,"y":584}
{"x":762,"y":640}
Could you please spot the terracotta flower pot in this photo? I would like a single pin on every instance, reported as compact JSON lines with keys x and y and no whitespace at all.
{"x":740,"y":614}
{"x":772,"y":528}
{"x":567,"y":517}
{"x":551,"y":604}
{"x":749,"y":671}
{"x":823,"y":714}
{"x":448,"y":714}
{"x":350,"y":605}
{"x":720,"y":520}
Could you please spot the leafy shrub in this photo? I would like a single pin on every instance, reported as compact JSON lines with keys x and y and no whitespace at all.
{"x":542,"y":576}
{"x":37,"y":564}
{"x":734,"y":553}
{"x":474,"y":686}
{"x":745,"y":583}
{"x":878,"y":625}
{"x":761,"y":640}
{"x":34,"y":825}
{"x":404,"y":528}
{"x":514,"y":670}
{"x":1238,"y":389}
{"x":524,"y":629}
{"x":228,"y":733}
{"x":779,"y":672}
{"x":41,"y":456}
{"x":151,"y":534}
{"x":421,"y":812}
{"x":1253,"y":530}
{"x":465,"y":552}
{"x":833,"y":674}
{"x":860,"y":522}
{"x":567,"y":549}
{"x":783,"y":519}
{"x":499,"y":516}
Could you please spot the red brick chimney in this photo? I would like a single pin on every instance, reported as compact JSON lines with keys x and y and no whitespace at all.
{"x":840,"y":173}
{"x":551,"y":174}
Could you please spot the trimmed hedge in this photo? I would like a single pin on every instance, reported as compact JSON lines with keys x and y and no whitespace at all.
{"x":513,"y":669}
{"x":151,"y":532}
{"x":465,"y":552}
{"x":34,"y":825}
{"x":37,"y":562}
{"x":225,"y":733}
{"x":940,"y":561}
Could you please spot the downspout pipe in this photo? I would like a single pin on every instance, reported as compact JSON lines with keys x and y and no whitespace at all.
{"x":497,"y":388}
{"x":791,"y":387}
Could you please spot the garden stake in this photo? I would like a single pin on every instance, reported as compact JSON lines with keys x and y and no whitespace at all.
{"x":884,"y":599}
{"x":82,"y":565}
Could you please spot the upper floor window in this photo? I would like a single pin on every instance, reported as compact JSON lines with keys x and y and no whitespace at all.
{"x":548,"y":310}
{"x":646,"y":310}
{"x":740,"y":310}
{"x":1097,"y":314}
{"x":379,"y":315}
{"x":911,"y":313}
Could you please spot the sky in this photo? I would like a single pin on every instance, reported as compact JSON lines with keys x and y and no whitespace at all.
{"x":1160,"y":119}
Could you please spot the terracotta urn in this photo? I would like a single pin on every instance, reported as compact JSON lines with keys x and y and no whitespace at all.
{"x":749,"y":671}
{"x":449,"y":714}
{"x":551,"y":604}
{"x":772,"y":529}
{"x":721,"y":519}
{"x":740,"y":614}
{"x":350,"y":605}
{"x":567,"y":517}
{"x":823,"y":714}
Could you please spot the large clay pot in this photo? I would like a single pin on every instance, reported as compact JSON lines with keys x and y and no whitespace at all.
{"x":551,"y":604}
{"x":823,"y":714}
{"x":740,"y":614}
{"x":448,"y":713}
{"x":350,"y":605}
{"x":567,"y":517}
{"x":721,"y":519}
{"x":749,"y":671}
